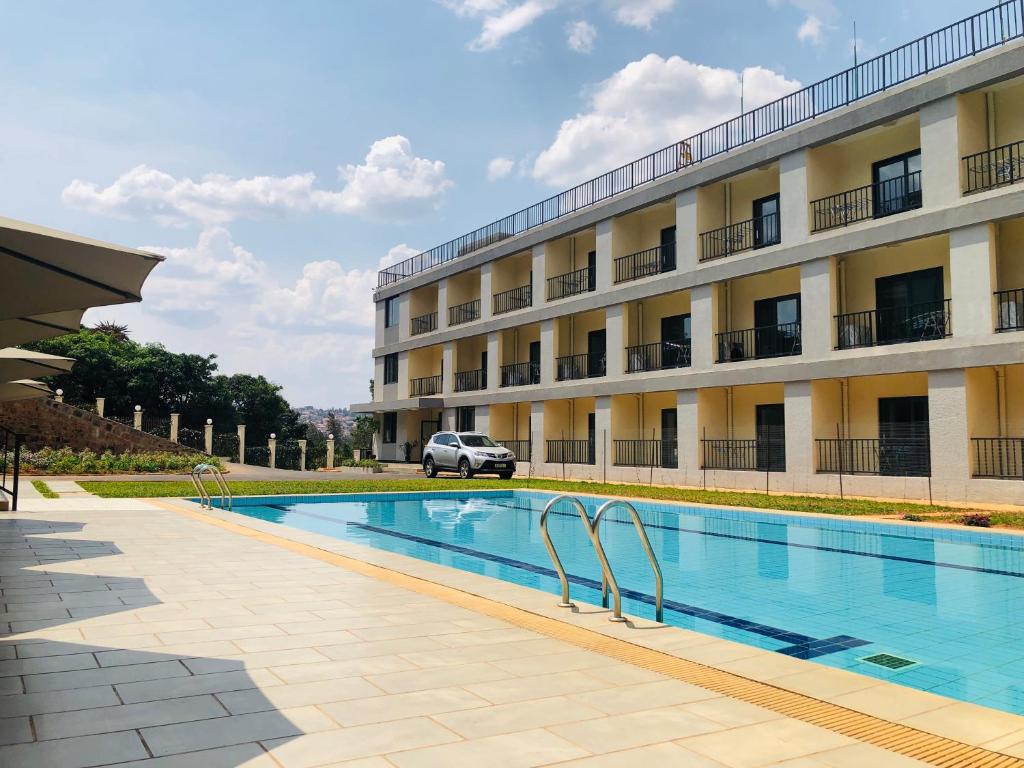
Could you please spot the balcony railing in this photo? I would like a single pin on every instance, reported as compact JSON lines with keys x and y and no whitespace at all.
{"x":520,"y":374}
{"x":994,"y":167}
{"x":570,"y":452}
{"x":464,"y":313}
{"x":898,"y":456}
{"x":423,"y":324}
{"x":753,"y":343}
{"x":647,"y":453}
{"x":871,"y":202}
{"x":987,"y":29}
{"x":760,"y":455}
{"x":513,"y":299}
{"x":660,"y":355}
{"x":571,"y":283}
{"x":653,"y":261}
{"x":426,"y":386}
{"x":894,"y":325}
{"x":759,"y":232}
{"x":1010,"y":310}
{"x":999,"y":457}
{"x":583,"y":366}
{"x":521,"y":448}
{"x":470,"y":381}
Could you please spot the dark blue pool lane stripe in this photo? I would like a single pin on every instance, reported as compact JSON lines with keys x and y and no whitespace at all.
{"x":800,"y":646}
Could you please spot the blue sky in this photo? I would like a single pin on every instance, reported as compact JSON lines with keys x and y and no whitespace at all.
{"x":277,"y":152}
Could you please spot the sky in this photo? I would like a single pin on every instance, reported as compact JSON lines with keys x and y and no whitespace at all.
{"x":278,"y":154}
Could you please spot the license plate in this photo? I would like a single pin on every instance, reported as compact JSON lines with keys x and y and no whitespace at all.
{"x":500,"y":465}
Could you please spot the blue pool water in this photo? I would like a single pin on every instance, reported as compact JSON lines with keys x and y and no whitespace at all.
{"x":830,"y":590}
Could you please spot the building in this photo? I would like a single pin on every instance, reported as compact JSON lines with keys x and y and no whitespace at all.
{"x":823,"y":294}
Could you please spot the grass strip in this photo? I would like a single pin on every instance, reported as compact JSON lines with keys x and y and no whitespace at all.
{"x":44,"y":490}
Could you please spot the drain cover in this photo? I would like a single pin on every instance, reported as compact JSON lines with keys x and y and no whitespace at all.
{"x":889,"y":661}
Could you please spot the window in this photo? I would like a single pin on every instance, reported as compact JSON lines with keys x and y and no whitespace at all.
{"x":391,"y":368}
{"x":897,"y":183}
{"x":467,"y":418}
{"x":389,"y":428}
{"x":478,"y":441}
{"x":391,"y":312}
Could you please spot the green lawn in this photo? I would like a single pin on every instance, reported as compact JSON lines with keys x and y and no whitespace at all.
{"x":150,"y":489}
{"x":44,"y":490}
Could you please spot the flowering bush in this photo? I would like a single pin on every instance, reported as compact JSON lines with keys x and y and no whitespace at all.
{"x":65,"y":461}
{"x":977,"y":520}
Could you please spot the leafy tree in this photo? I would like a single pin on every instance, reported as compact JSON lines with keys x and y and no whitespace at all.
{"x":333,"y":427}
{"x":363,"y":431}
{"x":118,"y":331}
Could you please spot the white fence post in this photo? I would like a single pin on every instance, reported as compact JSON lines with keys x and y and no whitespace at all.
{"x":101,"y":403}
{"x":272,"y":444}
{"x":241,"y":443}
{"x":137,"y":418}
{"x":208,"y":437}
{"x":175,"y":418}
{"x":302,"y":455}
{"x":330,"y":452}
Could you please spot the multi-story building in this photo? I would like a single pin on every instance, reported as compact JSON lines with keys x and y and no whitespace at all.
{"x":823,"y":294}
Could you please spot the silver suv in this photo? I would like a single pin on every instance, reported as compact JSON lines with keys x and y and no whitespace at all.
{"x":468,"y":453}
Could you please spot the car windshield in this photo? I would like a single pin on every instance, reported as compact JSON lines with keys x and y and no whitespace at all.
{"x":477,"y":441}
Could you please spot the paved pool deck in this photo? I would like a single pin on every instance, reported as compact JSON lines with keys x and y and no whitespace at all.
{"x":140,"y":633}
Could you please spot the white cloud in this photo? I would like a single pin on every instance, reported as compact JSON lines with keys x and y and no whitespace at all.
{"x":811,"y":30}
{"x":509,"y":20}
{"x":639,"y":13}
{"x":581,"y":37}
{"x":646,"y":105}
{"x":391,"y":183}
{"x":499,"y":168}
{"x":819,"y":18}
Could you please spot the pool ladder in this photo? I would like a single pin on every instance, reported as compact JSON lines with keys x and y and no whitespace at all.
{"x":205,"y":498}
{"x":593,"y":528}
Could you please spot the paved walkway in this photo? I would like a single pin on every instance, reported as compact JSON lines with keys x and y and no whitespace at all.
{"x":135,"y":636}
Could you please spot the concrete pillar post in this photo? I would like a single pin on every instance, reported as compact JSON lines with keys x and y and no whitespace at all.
{"x":58,"y":396}
{"x":972,"y":279}
{"x":940,"y":153}
{"x":403,"y":375}
{"x":486,"y":292}
{"x":603,"y":453}
{"x":603,"y":280}
{"x":101,"y":404}
{"x":799,"y":432}
{"x":208,"y":437}
{"x":272,"y":445}
{"x":615,"y":340}
{"x":537,"y":445}
{"x":686,"y":231}
{"x":137,"y":418}
{"x":493,"y":372}
{"x":448,"y":368}
{"x":442,"y":304}
{"x":241,"y":443}
{"x":302,"y":455}
{"x":175,"y":420}
{"x":794,"y":199}
{"x":539,"y":271}
{"x":817,"y":307}
{"x":548,"y":351}
{"x":330,"y":452}
{"x":704,"y":326}
{"x":948,"y":431}
{"x":483,"y":419}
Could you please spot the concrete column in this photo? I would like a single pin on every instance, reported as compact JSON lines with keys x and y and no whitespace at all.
{"x":539,"y":280}
{"x":101,"y":404}
{"x":404,"y":317}
{"x":794,"y":199}
{"x":448,"y":368}
{"x":949,"y":436}
{"x":703,"y":326}
{"x":272,"y":445}
{"x":486,"y":292}
{"x":330,"y":452}
{"x":972,"y":279}
{"x":940,"y":153}
{"x":378,"y":379}
{"x":548,"y":352}
{"x":302,"y":455}
{"x":817,"y":307}
{"x":686,"y":231}
{"x":604,"y":277}
{"x":450,"y":419}
{"x":58,"y":396}
{"x":175,"y":420}
{"x":208,"y":437}
{"x":483,"y":419}
{"x":403,"y":374}
{"x":799,"y":432}
{"x":241,"y":443}
{"x":537,"y":432}
{"x":603,"y":453}
{"x":442,"y":304}
{"x":688,"y":430}
{"x":137,"y":419}
{"x":615,"y":335}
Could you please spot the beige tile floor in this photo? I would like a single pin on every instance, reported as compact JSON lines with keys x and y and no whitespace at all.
{"x":134,"y":636}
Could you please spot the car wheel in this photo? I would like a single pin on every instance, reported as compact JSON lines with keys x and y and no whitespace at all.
{"x":465,"y":471}
{"x":505,"y":475}
{"x":429,"y":468}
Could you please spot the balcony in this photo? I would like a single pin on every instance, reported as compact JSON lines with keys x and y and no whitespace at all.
{"x":513,"y":299}
{"x":471,"y":381}
{"x":756,"y":343}
{"x":994,"y":168}
{"x":1000,"y":458}
{"x":423,"y":324}
{"x":659,"y":356}
{"x":520,"y":374}
{"x":647,"y":453}
{"x":653,"y":261}
{"x":894,"y":325}
{"x":521,"y":448}
{"x":587,"y":365}
{"x":571,"y":283}
{"x":570,"y":452}
{"x":743,"y":236}
{"x":874,"y":201}
{"x":897,"y":456}
{"x":464,"y":313}
{"x":760,"y":455}
{"x":426,"y":386}
{"x":1010,"y":310}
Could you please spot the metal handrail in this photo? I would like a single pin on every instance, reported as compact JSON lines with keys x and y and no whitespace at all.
{"x":206,"y":500}
{"x":659,"y":611}
{"x":552,"y":553}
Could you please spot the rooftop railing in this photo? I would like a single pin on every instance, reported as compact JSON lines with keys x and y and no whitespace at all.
{"x":984,"y":30}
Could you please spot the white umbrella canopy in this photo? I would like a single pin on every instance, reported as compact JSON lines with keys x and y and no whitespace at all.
{"x":24,"y":389}
{"x":20,"y":330}
{"x":25,"y":364}
{"x":47,"y":271}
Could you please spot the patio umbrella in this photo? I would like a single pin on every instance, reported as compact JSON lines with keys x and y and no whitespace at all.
{"x":24,"y":364}
{"x":22,"y":389}
{"x":19,"y":330}
{"x":48,"y":271}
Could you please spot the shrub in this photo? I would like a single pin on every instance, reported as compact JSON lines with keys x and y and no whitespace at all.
{"x":65,"y":461}
{"x":912,"y":518}
{"x":977,"y":520}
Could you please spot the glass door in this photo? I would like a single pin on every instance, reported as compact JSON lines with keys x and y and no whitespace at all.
{"x":675,"y":337}
{"x":777,"y":322}
{"x":596,"y":353}
{"x":903,"y":436}
{"x":591,"y":438}
{"x":910,"y":307}
{"x":897,"y":184}
{"x":771,"y":438}
{"x":766,"y":221}
{"x":668,"y":249}
{"x":669,"y":438}
{"x":535,"y":362}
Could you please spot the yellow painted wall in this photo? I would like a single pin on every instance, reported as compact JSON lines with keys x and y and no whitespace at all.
{"x":510,"y":421}
{"x":1010,"y":254}
{"x":826,"y":407}
{"x":559,"y":254}
{"x":511,"y":272}
{"x":425,"y":361}
{"x":515,"y":343}
{"x":712,"y":419}
{"x":744,"y":402}
{"x":864,"y":392}
{"x":635,"y":416}
{"x":982,"y":403}
{"x":468,"y":352}
{"x":573,"y":330}
{"x":746,"y":290}
{"x":1009,"y":109}
{"x":423,"y":301}
{"x":463,"y":287}
{"x":567,"y":419}
{"x":972,"y":123}
{"x":651,"y":311}
{"x":641,"y":230}
{"x":1015,"y":400}
{"x":861,"y":269}
{"x":736,"y":195}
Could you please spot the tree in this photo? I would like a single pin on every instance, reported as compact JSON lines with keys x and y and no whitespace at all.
{"x":363,"y":431}
{"x":116,"y":330}
{"x":333,"y":427}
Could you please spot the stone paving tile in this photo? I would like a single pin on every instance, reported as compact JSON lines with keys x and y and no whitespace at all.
{"x":665,"y":754}
{"x":400,"y":706}
{"x":193,"y":685}
{"x":423,"y":679}
{"x":518,"y":716}
{"x":635,"y":729}
{"x":329,"y":670}
{"x":81,"y":752}
{"x":62,"y":681}
{"x":520,"y":750}
{"x":250,"y":755}
{"x":126,"y":717}
{"x":298,"y":695}
{"x":765,"y":743}
{"x":57,"y":701}
{"x":541,"y":687}
{"x":14,"y":730}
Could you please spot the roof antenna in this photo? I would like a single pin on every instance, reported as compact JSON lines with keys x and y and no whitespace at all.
{"x":741,"y":91}
{"x":854,"y":43}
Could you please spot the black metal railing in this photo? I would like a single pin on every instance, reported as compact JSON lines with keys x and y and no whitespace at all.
{"x":288,"y":455}
{"x":894,"y":325}
{"x":752,"y":343}
{"x":192,"y":438}
{"x":987,"y":29}
{"x":521,"y":448}
{"x":425,"y":386}
{"x":464,"y":313}
{"x":653,"y":261}
{"x":156,"y":425}
{"x":570,"y":451}
{"x":647,"y":453}
{"x":257,"y":455}
{"x":520,"y":374}
{"x":469,"y":381}
{"x":759,"y":232}
{"x":226,"y":444}
{"x":1010,"y":310}
{"x":869,"y":202}
{"x":898,"y":456}
{"x":994,"y":167}
{"x":11,"y":443}
{"x":767,"y":454}
{"x":658,"y":356}
{"x":423,"y":324}
{"x":586,"y":365}
{"x":571,"y":283}
{"x":513,"y":299}
{"x":999,"y":457}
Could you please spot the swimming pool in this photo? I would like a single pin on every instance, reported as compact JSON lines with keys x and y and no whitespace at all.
{"x":832,"y":590}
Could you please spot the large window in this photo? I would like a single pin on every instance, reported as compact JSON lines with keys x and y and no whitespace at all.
{"x":897,"y":182}
{"x":389,"y":428}
{"x":391,"y":312}
{"x":391,"y":368}
{"x":467,"y":418}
